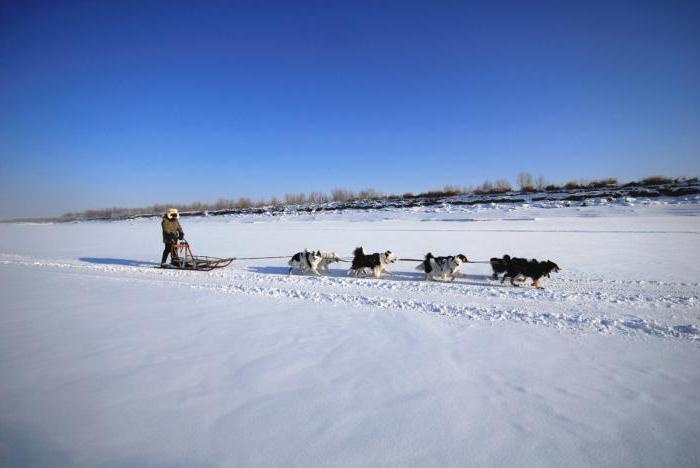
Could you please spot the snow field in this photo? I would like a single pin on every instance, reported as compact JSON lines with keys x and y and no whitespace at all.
{"x":107,"y":360}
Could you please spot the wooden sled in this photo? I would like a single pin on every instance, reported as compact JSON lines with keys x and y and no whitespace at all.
{"x":183,"y":259}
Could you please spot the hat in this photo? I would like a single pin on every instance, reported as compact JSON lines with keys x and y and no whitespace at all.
{"x":172,"y":213}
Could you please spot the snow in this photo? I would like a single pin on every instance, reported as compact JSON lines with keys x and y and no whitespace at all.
{"x":108,"y":361}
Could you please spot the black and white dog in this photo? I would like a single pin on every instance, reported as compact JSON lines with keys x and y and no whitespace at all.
{"x":377,"y":262}
{"x":441,"y":268}
{"x":305,"y":262}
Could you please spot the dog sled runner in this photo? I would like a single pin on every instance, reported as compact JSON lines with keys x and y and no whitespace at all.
{"x":183,"y":259}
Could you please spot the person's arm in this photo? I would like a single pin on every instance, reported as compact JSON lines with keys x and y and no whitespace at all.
{"x":180,"y":232}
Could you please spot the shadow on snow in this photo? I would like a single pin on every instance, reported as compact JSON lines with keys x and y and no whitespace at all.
{"x":470,"y":280}
{"x":117,"y":261}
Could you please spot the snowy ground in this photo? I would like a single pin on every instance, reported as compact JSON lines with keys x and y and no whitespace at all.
{"x":106,"y":360}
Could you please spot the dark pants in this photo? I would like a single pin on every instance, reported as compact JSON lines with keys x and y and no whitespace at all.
{"x":167,"y":251}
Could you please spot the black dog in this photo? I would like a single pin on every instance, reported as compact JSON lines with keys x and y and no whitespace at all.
{"x":377,"y":262}
{"x":533,"y":269}
{"x":499,"y":265}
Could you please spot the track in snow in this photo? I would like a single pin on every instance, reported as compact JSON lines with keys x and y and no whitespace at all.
{"x":571,"y":301}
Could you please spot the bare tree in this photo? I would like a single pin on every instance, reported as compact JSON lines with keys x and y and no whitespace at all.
{"x":525,"y":181}
{"x":541,"y":183}
{"x":369,"y":194}
{"x":502,"y":186}
{"x":295,"y":198}
{"x":341,"y":195}
{"x":317,"y":197}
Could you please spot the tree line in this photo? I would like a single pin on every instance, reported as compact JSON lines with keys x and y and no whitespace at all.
{"x":526,"y":182}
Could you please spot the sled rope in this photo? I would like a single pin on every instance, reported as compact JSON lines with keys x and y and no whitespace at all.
{"x":349,"y":260}
{"x":422,"y":259}
{"x":259,"y":258}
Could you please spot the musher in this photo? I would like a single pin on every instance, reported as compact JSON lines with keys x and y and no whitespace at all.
{"x":172,"y":233}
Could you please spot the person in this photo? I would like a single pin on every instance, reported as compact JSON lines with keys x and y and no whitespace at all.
{"x":172,"y":232}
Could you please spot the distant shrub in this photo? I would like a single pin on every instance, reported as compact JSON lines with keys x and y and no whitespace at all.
{"x":525,"y":181}
{"x":317,"y":198}
{"x":488,"y":187}
{"x":223,"y":204}
{"x":502,"y":186}
{"x":369,"y":194}
{"x":447,"y":191}
{"x":294,"y":198}
{"x":453,"y":190}
{"x":243,"y":202}
{"x":656,"y":180}
{"x":603,"y":183}
{"x":575,"y":184}
{"x":341,"y":195}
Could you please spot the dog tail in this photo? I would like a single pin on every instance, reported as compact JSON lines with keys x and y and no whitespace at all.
{"x":422,"y":265}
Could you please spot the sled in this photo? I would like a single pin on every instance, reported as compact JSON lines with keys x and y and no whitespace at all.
{"x":183,"y":259}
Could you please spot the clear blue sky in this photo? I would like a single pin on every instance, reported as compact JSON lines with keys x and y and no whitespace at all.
{"x":130,"y":103}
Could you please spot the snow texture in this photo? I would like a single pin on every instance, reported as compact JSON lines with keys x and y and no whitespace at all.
{"x":106,"y":360}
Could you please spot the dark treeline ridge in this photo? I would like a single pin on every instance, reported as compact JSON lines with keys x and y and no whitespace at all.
{"x":370,"y":198}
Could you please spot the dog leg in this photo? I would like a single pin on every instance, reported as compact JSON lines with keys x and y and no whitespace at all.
{"x":512,"y":282}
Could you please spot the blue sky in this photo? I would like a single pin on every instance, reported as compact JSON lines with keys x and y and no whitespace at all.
{"x":133,"y":103}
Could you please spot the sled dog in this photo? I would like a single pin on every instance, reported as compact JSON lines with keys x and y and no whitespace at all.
{"x":306,"y":261}
{"x":327,"y":258}
{"x":517,"y":267}
{"x":441,"y":268}
{"x":377,"y":262}
{"x":498,"y":265}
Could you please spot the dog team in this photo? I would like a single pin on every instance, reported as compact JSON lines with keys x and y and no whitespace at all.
{"x":435,"y":268}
